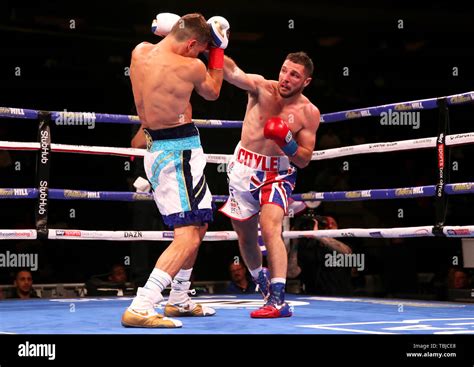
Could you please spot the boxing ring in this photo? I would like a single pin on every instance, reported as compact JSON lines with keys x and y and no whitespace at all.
{"x":313,"y":315}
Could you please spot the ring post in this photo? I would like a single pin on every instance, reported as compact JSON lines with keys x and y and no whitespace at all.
{"x":43,"y":163}
{"x":441,"y":199}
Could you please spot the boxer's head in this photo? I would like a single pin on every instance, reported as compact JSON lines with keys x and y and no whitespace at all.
{"x":193,"y":31}
{"x":295,"y":74}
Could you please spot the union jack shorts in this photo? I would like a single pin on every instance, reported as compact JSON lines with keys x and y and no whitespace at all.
{"x":255,"y":180}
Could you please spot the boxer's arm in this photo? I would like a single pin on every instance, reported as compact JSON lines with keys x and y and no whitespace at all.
{"x":306,"y":138}
{"x":207,"y":83}
{"x":139,"y":140}
{"x":235,"y":76}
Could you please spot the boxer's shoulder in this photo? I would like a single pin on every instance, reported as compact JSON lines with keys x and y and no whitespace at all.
{"x":268,"y":86}
{"x":195,"y":68}
{"x":310,"y":108}
{"x":142,"y":49}
{"x":311,"y":115}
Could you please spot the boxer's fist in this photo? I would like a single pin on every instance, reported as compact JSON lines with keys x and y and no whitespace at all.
{"x":163,"y":23}
{"x":220,"y":31}
{"x":220,"y":39}
{"x":277,"y":130}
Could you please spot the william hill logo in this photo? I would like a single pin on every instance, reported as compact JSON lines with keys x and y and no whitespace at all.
{"x":462,"y":187}
{"x":357,"y":114}
{"x":408,"y":106}
{"x":462,"y":98}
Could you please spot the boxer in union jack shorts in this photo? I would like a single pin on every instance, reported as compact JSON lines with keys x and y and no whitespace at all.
{"x":278,"y":135}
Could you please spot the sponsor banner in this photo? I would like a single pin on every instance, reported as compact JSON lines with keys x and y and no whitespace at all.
{"x":459,"y":232}
{"x":418,"y":233}
{"x":168,"y":234}
{"x":358,"y":194}
{"x":75,"y":194}
{"x":376,"y":234}
{"x":461,"y":98}
{"x":132,"y":234}
{"x":6,"y":111}
{"x":68,"y":233}
{"x":138,"y":196}
{"x":408,"y":106}
{"x":462,"y":187}
{"x":409,"y":191}
{"x":358,"y":114}
{"x":12,"y":234}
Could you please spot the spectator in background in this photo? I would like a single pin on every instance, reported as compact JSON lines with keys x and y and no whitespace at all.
{"x":315,"y":276}
{"x":458,"y":278}
{"x":118,"y":274}
{"x":109,"y":284}
{"x":23,"y":285}
{"x":240,"y":280}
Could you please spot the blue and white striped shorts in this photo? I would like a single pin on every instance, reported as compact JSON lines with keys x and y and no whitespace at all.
{"x":174,"y":165}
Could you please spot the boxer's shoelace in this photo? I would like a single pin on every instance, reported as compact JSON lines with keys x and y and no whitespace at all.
{"x":188,"y":304}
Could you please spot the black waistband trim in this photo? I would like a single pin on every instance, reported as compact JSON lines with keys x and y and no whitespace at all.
{"x":182,"y":131}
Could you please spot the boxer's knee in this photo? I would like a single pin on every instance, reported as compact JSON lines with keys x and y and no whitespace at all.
{"x":247,"y":231}
{"x":271,"y":231}
{"x":189,"y":236}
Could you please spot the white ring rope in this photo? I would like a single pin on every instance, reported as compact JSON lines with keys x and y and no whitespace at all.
{"x":76,"y":234}
{"x":451,"y":140}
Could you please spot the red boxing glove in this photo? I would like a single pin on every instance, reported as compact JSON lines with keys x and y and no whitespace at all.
{"x":277,"y":130}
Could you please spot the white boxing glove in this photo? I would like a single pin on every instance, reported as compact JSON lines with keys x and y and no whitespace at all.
{"x":163,"y":23}
{"x":142,"y":185}
{"x":220,"y":31}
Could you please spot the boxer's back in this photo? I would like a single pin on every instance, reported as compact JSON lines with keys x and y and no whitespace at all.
{"x":162,"y":84}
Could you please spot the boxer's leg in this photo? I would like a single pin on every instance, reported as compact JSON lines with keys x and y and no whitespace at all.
{"x":271,"y":220}
{"x":141,"y":312}
{"x":247,"y":232}
{"x":179,"y":303}
{"x":191,"y":169}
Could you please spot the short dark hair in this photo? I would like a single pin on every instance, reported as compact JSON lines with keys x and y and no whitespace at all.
{"x":302,"y":58}
{"x":17,"y":273}
{"x":192,"y":26}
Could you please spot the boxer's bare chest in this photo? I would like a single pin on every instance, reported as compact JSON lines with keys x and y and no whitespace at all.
{"x":269,"y":103}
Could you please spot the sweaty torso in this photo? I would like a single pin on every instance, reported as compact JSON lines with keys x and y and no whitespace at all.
{"x":268,"y":103}
{"x":162,"y":86}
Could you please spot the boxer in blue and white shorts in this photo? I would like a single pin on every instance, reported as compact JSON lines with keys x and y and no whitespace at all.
{"x":174,"y":164}
{"x":163,"y":76}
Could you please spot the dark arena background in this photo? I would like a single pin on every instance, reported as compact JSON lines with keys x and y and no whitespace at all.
{"x":75,"y":56}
